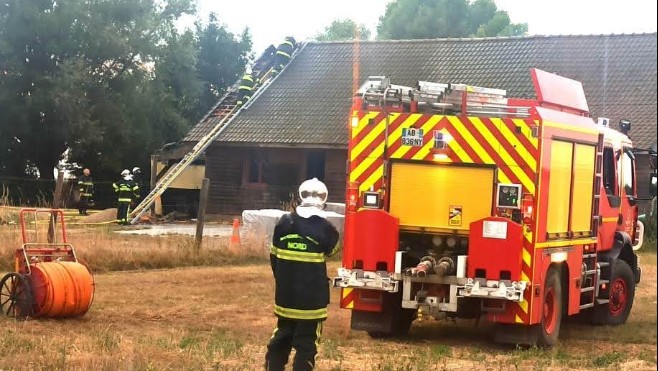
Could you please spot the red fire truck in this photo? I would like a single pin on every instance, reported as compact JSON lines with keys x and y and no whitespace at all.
{"x":463,"y":203}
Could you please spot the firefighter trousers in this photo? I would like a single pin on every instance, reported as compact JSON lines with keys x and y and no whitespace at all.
{"x":303,"y":335}
{"x":83,"y":205}
{"x":123,"y":209}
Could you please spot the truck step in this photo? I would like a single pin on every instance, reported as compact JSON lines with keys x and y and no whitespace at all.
{"x":589,"y":256}
{"x":587,"y":289}
{"x":591,"y":271}
{"x":602,"y":301}
{"x":588,"y":305}
{"x":603,"y":264}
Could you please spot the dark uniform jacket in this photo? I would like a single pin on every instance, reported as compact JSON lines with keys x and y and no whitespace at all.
{"x":86,"y":186}
{"x":126,"y":190}
{"x":285,"y":49}
{"x":299,"y":248}
{"x":248,"y":82}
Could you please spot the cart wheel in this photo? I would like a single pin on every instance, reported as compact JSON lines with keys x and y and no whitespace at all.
{"x":15,"y":296}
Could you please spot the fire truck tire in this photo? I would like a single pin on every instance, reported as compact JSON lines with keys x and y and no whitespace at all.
{"x":621,"y":296}
{"x":548,"y":329}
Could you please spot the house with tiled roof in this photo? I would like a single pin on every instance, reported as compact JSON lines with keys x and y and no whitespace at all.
{"x":297,"y":127}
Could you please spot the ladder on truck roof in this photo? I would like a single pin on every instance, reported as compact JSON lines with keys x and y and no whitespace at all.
{"x":443,"y":98}
{"x":225,"y":110}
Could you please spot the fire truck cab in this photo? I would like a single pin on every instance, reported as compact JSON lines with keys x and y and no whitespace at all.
{"x":463,"y":203}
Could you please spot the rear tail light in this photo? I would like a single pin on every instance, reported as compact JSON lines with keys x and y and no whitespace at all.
{"x":527,"y":207}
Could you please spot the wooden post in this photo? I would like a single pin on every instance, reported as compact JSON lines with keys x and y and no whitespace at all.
{"x":57,"y":197}
{"x":154,"y":180}
{"x":57,"y":200}
{"x":201,"y":213}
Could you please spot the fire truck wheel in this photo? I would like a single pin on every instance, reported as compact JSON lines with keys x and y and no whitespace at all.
{"x":621,"y":296}
{"x":549,"y":327}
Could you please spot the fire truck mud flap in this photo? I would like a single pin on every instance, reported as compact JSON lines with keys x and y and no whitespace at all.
{"x":391,"y":321}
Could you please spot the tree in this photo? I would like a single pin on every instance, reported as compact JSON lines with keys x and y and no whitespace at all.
{"x":421,"y":19}
{"x":107,"y":81}
{"x":344,"y":29}
{"x":222,"y":58}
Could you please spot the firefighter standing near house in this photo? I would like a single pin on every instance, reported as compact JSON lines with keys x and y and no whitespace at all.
{"x":86,"y":190}
{"x":283,"y":54}
{"x":300,"y":243}
{"x":127,"y":190}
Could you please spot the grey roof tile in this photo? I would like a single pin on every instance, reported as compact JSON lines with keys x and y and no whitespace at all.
{"x":309,"y":103}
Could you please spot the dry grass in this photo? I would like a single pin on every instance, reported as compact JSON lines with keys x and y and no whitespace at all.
{"x":218,"y":315}
{"x":220,"y":318}
{"x":104,"y":251}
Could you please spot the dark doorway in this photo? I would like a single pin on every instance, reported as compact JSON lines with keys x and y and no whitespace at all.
{"x":315,"y":165}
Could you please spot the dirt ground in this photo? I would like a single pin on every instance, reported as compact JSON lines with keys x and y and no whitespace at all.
{"x":221,"y":318}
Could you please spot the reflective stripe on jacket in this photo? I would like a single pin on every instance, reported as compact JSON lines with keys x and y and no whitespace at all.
{"x":298,"y":252}
{"x":126,"y":190}
{"x":86,"y":186}
{"x":285,"y":49}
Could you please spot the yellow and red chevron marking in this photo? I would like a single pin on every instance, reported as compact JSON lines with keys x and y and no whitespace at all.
{"x":347,"y":296}
{"x":524,"y":307}
{"x":507,"y":143}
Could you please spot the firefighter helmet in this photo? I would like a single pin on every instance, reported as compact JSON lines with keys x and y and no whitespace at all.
{"x":313,"y":192}
{"x":125,"y":172}
{"x":314,"y":195}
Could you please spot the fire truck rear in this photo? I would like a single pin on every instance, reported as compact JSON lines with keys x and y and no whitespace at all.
{"x":463,"y":203}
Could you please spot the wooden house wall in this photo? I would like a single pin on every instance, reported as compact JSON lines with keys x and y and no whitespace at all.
{"x":283,"y":169}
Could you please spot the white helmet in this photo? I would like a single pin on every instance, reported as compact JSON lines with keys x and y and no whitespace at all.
{"x":314,"y":195}
{"x":313,"y":192}
{"x":125,"y":172}
{"x":136,"y":170}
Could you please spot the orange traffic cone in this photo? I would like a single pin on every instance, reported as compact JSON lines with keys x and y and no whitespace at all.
{"x":235,"y":237}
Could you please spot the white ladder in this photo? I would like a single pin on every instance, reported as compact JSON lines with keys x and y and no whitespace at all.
{"x":227,"y":114}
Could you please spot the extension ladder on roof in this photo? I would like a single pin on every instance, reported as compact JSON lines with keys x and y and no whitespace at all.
{"x":225,"y":110}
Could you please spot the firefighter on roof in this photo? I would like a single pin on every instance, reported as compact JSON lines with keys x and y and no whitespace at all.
{"x":126,"y":190}
{"x":246,"y":88}
{"x":283,"y":54}
{"x":301,"y":241}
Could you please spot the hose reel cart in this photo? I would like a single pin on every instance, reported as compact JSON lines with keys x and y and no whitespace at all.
{"x":49,"y":281}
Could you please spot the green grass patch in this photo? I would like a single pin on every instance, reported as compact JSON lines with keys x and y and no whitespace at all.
{"x":608,"y":359}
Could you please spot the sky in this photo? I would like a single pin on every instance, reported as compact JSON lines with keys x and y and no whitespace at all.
{"x":271,"y":20}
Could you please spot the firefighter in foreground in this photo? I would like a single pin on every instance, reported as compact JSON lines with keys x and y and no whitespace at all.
{"x":300,"y":243}
{"x":126,"y":190}
{"x":86,"y":189}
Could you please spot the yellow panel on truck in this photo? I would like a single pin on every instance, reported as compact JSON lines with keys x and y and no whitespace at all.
{"x":440,"y":196}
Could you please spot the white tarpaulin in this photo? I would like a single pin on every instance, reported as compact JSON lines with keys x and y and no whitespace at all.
{"x":258,"y":225}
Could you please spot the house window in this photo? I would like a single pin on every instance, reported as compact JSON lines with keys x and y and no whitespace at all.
{"x":315,"y":165}
{"x":254,"y":168}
